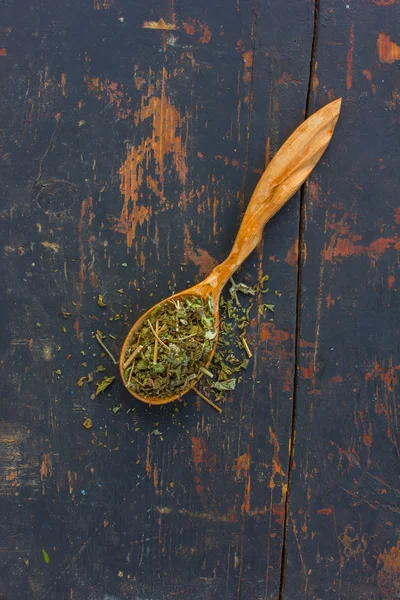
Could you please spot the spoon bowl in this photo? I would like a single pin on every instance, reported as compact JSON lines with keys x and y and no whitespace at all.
{"x":284,"y":175}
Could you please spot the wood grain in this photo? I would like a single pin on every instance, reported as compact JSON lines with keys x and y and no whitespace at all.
{"x":343,"y":519}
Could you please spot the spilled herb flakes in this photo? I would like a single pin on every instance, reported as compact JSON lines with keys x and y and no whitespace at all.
{"x":166,"y":354}
{"x":66,"y":314}
{"x":102,"y":385}
{"x":265,"y":307}
{"x":100,"y":301}
{"x":87,"y":423}
{"x":233,"y":353}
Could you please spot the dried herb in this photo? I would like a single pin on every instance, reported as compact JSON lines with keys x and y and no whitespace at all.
{"x":167,"y":354}
{"x":103,"y":385}
{"x":45,"y":556}
{"x":264,"y":307}
{"x":66,"y":314}
{"x":100,"y":301}
{"x":87,"y":423}
{"x":99,"y":338}
{"x":81,"y":381}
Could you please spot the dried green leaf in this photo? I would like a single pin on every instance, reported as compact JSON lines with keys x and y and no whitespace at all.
{"x":104,"y":384}
{"x":100,"y":301}
{"x":229,"y":384}
{"x":45,"y":556}
{"x":81,"y":381}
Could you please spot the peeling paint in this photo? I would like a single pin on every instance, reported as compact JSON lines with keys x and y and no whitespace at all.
{"x":160,"y":24}
{"x":192,"y":26}
{"x":166,"y":140}
{"x":201,"y":258}
{"x":388,"y":51}
{"x":389,"y":572}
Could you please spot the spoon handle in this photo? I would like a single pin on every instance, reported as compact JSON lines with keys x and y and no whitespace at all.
{"x":286,"y":172}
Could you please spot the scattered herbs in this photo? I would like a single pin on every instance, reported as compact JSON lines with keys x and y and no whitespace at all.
{"x":99,"y":338}
{"x":166,"y":354}
{"x":81,"y":381}
{"x":66,"y":314}
{"x":100,"y":301}
{"x":264,"y":307}
{"x":87,"y":423}
{"x":104,"y":384}
{"x":45,"y":556}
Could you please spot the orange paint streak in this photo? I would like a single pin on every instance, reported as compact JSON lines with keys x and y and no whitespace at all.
{"x":286,"y":79}
{"x":243,"y":465}
{"x":349,"y":60}
{"x":329,"y":301}
{"x":248,"y":65}
{"x":293,"y":254}
{"x":367,"y":437}
{"x":161,"y":24}
{"x":246,"y":500}
{"x":105,"y":4}
{"x":391,"y":281}
{"x":389,"y":572}
{"x":367,"y":74}
{"x":276,"y":465}
{"x":11,"y":477}
{"x":202,"y":460}
{"x":278,"y":511}
{"x":271,"y":334}
{"x":325,"y":511}
{"x":165,"y":140}
{"x":192,"y":26}
{"x":72,"y":480}
{"x":200,"y":258}
{"x":155,"y":477}
{"x":337,"y":379}
{"x":308,"y":372}
{"x":113,"y":93}
{"x":3,"y":51}
{"x":397,"y":216}
{"x":64,"y":84}
{"x":342,"y":244}
{"x":388,"y":376}
{"x":384,"y":2}
{"x":388,"y":51}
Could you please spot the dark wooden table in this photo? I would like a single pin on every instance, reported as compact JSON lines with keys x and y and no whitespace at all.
{"x":133,"y":135}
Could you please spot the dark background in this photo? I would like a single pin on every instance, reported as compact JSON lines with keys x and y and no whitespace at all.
{"x":127,"y":142}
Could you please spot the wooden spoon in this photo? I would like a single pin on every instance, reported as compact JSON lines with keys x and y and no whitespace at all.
{"x":286,"y":172}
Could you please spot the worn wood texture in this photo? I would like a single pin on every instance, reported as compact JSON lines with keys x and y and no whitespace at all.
{"x":343,"y":521}
{"x":133,"y":134}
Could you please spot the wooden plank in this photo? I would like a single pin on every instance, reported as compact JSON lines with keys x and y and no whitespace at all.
{"x":134,"y":136}
{"x":342,"y":531}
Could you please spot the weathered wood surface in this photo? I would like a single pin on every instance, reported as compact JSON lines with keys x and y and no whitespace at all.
{"x":343,"y":522}
{"x":135,"y":134}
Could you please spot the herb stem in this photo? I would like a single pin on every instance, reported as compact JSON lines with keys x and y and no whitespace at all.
{"x":155,"y":345}
{"x":132,"y":356}
{"x":98,"y":338}
{"x":206,"y":372}
{"x":155,"y":334}
{"x":210,"y":402}
{"x":246,"y":346}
